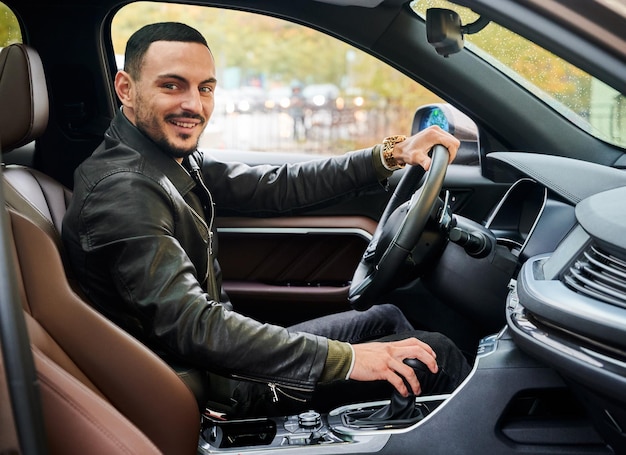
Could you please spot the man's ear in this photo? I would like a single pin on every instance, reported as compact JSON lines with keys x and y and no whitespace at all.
{"x":124,"y":87}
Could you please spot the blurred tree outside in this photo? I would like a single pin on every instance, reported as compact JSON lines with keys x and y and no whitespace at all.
{"x":556,"y":77}
{"x":566,"y":84}
{"x":284,"y":52}
{"x":10,"y":31}
{"x":584,"y":100}
{"x":271,"y":53}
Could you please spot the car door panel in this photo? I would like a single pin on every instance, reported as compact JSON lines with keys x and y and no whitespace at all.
{"x":271,"y":265}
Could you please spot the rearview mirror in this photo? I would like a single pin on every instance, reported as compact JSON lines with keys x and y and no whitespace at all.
{"x":445,"y":31}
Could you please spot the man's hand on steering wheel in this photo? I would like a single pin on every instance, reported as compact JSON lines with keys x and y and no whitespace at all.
{"x":415,"y":149}
{"x":405,"y":218}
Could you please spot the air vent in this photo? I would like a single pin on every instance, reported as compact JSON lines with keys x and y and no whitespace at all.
{"x":598,"y":275}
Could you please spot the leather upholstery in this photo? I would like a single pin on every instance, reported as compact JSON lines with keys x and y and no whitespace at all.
{"x":112,"y":365}
{"x":23,"y":88}
{"x":37,"y":196}
{"x":24,"y":95}
{"x":102,"y":391}
{"x":67,"y":403}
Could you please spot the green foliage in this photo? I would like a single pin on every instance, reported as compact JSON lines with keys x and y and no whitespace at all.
{"x":280,"y":51}
{"x":9,"y":27}
{"x":554,"y":76}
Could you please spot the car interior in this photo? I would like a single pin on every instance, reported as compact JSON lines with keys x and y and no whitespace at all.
{"x":497,"y":244}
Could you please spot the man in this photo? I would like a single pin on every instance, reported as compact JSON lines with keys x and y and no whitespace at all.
{"x":296,"y":111}
{"x":139,"y":235}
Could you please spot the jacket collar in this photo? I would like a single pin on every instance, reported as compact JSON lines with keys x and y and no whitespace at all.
{"x":121,"y":127}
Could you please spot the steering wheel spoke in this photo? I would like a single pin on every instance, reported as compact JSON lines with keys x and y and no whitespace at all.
{"x":399,"y":232}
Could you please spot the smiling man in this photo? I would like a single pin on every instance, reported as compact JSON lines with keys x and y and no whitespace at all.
{"x":139,"y":234}
{"x":172,"y":103}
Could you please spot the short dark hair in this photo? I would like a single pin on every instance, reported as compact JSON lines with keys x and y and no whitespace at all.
{"x":141,"y":40}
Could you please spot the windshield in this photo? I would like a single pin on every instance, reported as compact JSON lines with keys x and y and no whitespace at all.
{"x":584,"y":100}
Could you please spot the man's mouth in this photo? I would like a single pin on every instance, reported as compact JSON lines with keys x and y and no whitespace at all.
{"x":185,"y":121}
{"x":184,"y":124}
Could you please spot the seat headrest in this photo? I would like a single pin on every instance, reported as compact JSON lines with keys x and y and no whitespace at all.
{"x":23,"y":97}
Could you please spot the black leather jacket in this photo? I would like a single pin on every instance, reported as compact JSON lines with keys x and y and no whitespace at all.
{"x":139,"y":244}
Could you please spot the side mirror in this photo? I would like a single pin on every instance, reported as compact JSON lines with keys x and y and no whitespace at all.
{"x":444,"y":30}
{"x":455,"y":122}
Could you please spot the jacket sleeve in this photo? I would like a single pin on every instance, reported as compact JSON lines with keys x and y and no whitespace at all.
{"x":267,"y":190}
{"x":131,"y":239}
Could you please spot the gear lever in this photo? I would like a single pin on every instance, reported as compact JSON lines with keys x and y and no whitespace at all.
{"x":402,"y":408}
{"x":401,"y":411}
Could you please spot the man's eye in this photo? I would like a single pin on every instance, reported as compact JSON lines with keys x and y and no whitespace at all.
{"x":170,"y":86}
{"x":206,"y":89}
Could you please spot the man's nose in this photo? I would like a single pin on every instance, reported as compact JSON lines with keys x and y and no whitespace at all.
{"x":192,"y":101}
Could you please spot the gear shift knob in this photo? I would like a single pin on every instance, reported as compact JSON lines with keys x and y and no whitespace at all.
{"x":417,"y":365}
{"x":401,"y":408}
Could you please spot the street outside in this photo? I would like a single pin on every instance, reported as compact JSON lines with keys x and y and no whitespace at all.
{"x":324,"y":131}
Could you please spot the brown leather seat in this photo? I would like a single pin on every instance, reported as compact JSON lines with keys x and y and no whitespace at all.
{"x":101,"y":390}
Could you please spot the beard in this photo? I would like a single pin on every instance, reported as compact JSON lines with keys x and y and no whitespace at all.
{"x":175,"y":152}
{"x":148,"y":124}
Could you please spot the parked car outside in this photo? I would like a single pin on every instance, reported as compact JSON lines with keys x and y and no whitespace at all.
{"x":246,"y":99}
{"x":278,"y":99}
{"x":321,"y":96}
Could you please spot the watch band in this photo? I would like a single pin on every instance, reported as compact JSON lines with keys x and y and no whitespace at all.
{"x":387,"y":153}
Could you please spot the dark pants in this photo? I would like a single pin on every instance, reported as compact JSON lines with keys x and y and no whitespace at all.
{"x":380,"y":323}
{"x":357,"y":326}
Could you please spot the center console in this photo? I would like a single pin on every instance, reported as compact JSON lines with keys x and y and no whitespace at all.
{"x":355,"y":428}
{"x":310,"y":431}
{"x":508,"y":400}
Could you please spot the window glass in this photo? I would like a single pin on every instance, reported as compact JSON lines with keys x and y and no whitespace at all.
{"x":285,"y":87}
{"x":10,"y":32}
{"x":584,"y":100}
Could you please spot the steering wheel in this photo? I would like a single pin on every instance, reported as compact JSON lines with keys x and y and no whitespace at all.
{"x":399,"y":231}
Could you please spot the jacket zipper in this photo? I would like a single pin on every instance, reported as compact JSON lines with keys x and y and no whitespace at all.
{"x":211,"y":281}
{"x":275,"y":389}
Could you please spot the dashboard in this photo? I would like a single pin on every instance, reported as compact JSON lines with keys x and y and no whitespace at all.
{"x":530,"y":219}
{"x":567,"y":306}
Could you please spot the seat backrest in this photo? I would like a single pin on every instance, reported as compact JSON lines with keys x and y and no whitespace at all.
{"x":96,"y":380}
{"x":75,"y":417}
{"x":28,"y":191}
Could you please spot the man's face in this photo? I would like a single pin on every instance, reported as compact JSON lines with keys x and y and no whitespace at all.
{"x":173,"y":97}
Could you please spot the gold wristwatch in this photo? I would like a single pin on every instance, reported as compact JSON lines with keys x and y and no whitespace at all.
{"x":388,"y":144}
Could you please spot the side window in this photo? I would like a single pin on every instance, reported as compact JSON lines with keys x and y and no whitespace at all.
{"x":283,"y":87}
{"x":10,"y":32}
